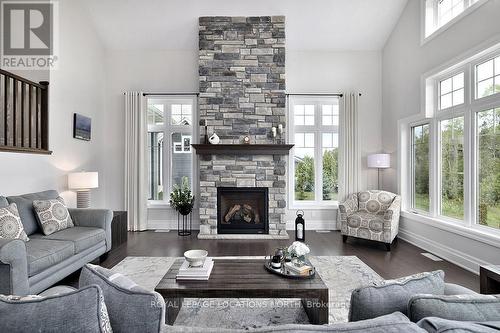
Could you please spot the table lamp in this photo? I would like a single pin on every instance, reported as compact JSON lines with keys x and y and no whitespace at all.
{"x":379,"y":161}
{"x":82,"y":182}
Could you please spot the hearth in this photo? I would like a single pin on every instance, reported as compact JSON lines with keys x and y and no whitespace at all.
{"x":242,"y":210}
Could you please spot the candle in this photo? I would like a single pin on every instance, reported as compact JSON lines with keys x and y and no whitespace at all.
{"x":280,"y":129}
{"x":273,"y":131}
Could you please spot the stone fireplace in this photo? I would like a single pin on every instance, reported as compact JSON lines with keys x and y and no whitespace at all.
{"x":242,"y":93}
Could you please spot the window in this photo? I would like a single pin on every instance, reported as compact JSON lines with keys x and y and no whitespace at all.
{"x":439,"y":13}
{"x":488,"y":78}
{"x":453,"y":155}
{"x":420,"y":162}
{"x":451,"y":91}
{"x":488,"y":165}
{"x":452,"y":167}
{"x":314,"y":131}
{"x":170,"y":133}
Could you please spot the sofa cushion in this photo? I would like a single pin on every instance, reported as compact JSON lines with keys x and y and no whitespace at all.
{"x":25,"y":207}
{"x":440,"y":325}
{"x":45,"y":253}
{"x":131,"y":308}
{"x":477,"y":308}
{"x":82,"y":237}
{"x":76,"y":311}
{"x":11,"y":226}
{"x":373,"y":301}
{"x":3,"y":202}
{"x":52,"y":215}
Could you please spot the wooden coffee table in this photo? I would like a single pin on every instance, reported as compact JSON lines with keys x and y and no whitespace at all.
{"x":245,"y":278}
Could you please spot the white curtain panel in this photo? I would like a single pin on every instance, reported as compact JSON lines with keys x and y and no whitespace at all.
{"x":136,"y":161}
{"x":349,"y":160}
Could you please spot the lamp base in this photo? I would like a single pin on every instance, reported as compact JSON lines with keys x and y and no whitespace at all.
{"x":83,"y":199}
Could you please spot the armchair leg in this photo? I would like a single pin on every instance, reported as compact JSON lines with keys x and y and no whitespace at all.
{"x":344,"y":238}
{"x":388,"y":247}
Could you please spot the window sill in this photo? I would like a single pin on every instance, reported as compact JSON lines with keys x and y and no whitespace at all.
{"x":450,"y":23}
{"x":158,"y":205}
{"x":490,"y":237}
{"x":314,"y":206}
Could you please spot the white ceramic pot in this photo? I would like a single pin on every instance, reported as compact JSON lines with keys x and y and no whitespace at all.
{"x":195,"y":258}
{"x":214,"y":139}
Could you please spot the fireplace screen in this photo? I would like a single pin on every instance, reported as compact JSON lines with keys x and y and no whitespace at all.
{"x":242,"y":210}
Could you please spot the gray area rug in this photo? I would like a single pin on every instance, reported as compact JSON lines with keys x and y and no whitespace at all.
{"x":342,"y":274}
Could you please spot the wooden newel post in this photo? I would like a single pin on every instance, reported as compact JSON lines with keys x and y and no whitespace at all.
{"x":45,"y":114}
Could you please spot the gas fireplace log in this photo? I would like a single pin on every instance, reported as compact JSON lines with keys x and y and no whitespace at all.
{"x":231,"y":213}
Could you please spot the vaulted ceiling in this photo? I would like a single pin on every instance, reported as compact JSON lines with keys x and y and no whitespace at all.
{"x":310,"y":24}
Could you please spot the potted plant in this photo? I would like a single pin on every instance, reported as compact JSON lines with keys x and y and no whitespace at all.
{"x":181,"y":198}
{"x":298,"y":252}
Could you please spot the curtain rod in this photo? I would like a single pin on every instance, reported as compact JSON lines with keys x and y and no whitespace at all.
{"x":171,"y":94}
{"x":316,"y":94}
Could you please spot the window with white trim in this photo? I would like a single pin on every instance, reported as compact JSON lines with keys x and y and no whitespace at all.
{"x":453,"y":157}
{"x":439,"y":13}
{"x":314,"y":130}
{"x":170,"y":132}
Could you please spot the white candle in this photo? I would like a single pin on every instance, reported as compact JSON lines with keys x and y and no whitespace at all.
{"x":273,"y":130}
{"x":280,"y":129}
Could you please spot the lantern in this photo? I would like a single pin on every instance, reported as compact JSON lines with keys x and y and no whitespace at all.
{"x":300,"y":226}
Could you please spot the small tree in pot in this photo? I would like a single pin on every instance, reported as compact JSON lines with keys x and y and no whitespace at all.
{"x":181,"y":198}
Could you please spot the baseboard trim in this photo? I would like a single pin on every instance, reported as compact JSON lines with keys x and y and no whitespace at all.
{"x":166,"y":224}
{"x":314,"y":225}
{"x":454,"y":256}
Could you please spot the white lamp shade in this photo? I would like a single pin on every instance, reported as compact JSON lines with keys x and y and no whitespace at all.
{"x":83,"y":180}
{"x":380,"y":161}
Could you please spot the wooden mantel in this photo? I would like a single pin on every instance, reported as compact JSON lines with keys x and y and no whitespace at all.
{"x":242,"y":149}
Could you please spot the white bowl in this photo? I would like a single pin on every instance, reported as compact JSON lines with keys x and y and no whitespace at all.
{"x":195,"y":258}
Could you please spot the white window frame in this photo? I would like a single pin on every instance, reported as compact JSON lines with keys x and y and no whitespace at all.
{"x":318,"y":128}
{"x":468,"y":10}
{"x":168,"y":129}
{"x":469,"y":109}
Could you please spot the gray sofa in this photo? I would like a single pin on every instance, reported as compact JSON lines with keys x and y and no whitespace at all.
{"x":33,"y":266}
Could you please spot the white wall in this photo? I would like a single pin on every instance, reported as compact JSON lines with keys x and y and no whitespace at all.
{"x":404,"y":61}
{"x":76,"y":86}
{"x":177,"y":71}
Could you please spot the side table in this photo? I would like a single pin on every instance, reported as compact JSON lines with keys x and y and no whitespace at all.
{"x":119,"y":229}
{"x":489,"y":279}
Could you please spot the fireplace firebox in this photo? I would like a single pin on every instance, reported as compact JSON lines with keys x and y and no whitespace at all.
{"x":242,"y":210}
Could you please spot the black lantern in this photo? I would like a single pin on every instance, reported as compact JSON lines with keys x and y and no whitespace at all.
{"x":300,"y":226}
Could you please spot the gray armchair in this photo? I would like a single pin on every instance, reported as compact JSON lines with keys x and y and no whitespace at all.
{"x":372,"y":215}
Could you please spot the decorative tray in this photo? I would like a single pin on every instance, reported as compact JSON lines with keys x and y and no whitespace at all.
{"x":285,"y":272}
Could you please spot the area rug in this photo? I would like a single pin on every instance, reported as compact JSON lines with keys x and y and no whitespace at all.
{"x":342,"y":274}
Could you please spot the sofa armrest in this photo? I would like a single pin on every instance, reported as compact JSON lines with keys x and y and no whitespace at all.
{"x":13,"y":267}
{"x":455,"y":289}
{"x":97,"y":218}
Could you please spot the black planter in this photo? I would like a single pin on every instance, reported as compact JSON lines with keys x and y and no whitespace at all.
{"x":184,"y":222}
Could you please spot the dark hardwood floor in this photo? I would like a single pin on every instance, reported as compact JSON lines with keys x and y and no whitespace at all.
{"x":404,"y":259}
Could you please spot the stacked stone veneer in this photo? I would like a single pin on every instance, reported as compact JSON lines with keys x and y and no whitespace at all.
{"x":242,"y":92}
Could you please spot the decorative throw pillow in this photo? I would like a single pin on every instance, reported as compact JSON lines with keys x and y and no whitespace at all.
{"x":52,"y":215}
{"x":11,"y":226}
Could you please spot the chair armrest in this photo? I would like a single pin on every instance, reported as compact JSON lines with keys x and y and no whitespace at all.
{"x":350,"y":205}
{"x":392,"y":213}
{"x":455,"y":289}
{"x":97,"y":218}
{"x":13,"y":267}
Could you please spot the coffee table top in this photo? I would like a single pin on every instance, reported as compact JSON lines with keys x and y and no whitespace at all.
{"x":239,"y":278}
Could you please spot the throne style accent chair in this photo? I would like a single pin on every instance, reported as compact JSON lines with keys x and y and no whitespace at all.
{"x":372,"y":215}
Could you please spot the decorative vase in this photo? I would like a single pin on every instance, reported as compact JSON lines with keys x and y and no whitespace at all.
{"x":214,"y":139}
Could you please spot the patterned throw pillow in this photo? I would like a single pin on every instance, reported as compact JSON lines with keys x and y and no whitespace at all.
{"x":11,"y":226}
{"x":52,"y":215}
